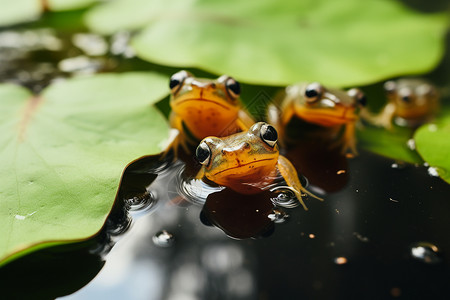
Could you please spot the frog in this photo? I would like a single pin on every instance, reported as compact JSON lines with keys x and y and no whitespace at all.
{"x":334,"y":109}
{"x":248,"y":162}
{"x":203,"y":107}
{"x":411,"y":102}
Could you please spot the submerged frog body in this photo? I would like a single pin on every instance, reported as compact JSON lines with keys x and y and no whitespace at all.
{"x":247,"y":162}
{"x":333,"y":109}
{"x":204,"y":107}
{"x":411,"y":102}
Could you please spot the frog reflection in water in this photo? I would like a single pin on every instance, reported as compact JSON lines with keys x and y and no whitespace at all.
{"x":247,"y":162}
{"x":204,"y":107}
{"x":411,"y":102}
{"x":335,"y":110}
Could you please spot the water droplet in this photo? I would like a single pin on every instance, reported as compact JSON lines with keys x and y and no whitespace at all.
{"x":432,"y":171}
{"x":341,"y":172}
{"x":426,"y":252}
{"x":286,"y":197}
{"x":312,"y":235}
{"x":278,"y":216}
{"x":163,"y":238}
{"x":340,"y":260}
{"x":411,"y":144}
{"x":398,"y":165}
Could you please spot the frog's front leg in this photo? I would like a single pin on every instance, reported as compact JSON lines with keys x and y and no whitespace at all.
{"x":178,"y":137}
{"x":386,"y":116}
{"x":349,"y":139}
{"x":290,"y":175}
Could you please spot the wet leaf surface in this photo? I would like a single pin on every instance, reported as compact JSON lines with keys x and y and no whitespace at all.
{"x":433,"y":144}
{"x":19,"y":11}
{"x":278,"y":43}
{"x":64,"y":150}
{"x":390,"y":143}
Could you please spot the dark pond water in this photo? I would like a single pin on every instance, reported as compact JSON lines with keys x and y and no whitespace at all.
{"x":381,"y":233}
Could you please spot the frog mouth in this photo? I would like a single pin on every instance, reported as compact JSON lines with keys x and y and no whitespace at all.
{"x":327,"y":117}
{"x":240,"y":165}
{"x":203,"y":100}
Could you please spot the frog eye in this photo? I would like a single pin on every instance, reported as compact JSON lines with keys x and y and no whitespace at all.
{"x":269,"y":135}
{"x":358,"y":95}
{"x":203,"y":153}
{"x":390,"y":86}
{"x":405,"y":95}
{"x":313,"y":92}
{"x":177,"y":79}
{"x":233,"y":87}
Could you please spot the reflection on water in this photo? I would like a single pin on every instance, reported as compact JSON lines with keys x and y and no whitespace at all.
{"x":179,"y":248}
{"x":426,"y":252}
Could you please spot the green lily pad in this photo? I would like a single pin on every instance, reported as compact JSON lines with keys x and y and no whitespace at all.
{"x":433,"y":144}
{"x":19,"y":11}
{"x":390,"y":143}
{"x":63,"y":152}
{"x":58,"y":5}
{"x":340,"y":43}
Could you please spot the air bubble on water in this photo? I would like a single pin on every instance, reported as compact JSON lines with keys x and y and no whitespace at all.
{"x":163,"y":238}
{"x":278,"y":216}
{"x":426,"y":252}
{"x":398,"y":165}
{"x":286,"y":197}
{"x":143,"y":201}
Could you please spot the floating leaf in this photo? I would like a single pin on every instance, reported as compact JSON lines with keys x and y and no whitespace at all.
{"x":63,"y":152}
{"x":433,"y":144}
{"x":390,"y":143}
{"x":340,"y":43}
{"x":58,"y":5}
{"x":18,"y":11}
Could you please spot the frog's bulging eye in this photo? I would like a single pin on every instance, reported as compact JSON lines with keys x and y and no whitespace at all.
{"x":358,"y":95}
{"x":269,"y":135}
{"x":203,"y":153}
{"x":176,"y":81}
{"x":233,"y":88}
{"x":405,"y":95}
{"x":390,"y":86}
{"x":313,"y":92}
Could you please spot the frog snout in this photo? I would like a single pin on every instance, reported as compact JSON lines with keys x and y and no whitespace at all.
{"x":236,"y":151}
{"x":204,"y":84}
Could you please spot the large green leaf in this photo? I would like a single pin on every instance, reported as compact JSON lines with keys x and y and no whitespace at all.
{"x":339,"y":43}
{"x":18,"y":11}
{"x":433,"y":144}
{"x":63,"y":152}
{"x":390,"y":143}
